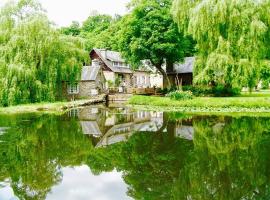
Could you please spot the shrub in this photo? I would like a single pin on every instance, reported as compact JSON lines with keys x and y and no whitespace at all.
{"x":217,"y":91}
{"x":222,"y":91}
{"x":199,"y":91}
{"x":180,"y":95}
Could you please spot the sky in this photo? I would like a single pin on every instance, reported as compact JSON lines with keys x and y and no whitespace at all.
{"x":63,"y":12}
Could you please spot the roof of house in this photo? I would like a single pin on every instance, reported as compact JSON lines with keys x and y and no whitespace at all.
{"x":90,"y":128}
{"x":89,"y":73}
{"x":112,"y":56}
{"x":185,"y":67}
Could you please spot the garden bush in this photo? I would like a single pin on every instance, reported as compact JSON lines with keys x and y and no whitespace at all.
{"x":217,"y":91}
{"x":180,"y":95}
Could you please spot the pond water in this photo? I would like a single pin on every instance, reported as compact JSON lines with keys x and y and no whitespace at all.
{"x":105,"y":153}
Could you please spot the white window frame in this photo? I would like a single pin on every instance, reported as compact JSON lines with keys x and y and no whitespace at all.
{"x":73,"y":89}
{"x":143,"y":80}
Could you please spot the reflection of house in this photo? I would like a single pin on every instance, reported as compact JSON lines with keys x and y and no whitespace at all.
{"x":117,"y":70}
{"x":141,"y":121}
{"x":153,"y":124}
{"x":185,"y":132}
{"x":182,"y":72}
{"x":118,"y":133}
{"x":91,"y":128}
{"x":3,"y":130}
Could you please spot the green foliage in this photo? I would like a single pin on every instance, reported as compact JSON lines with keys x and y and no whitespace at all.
{"x":232,"y":39}
{"x":229,"y":155}
{"x":180,"y":95}
{"x":265,"y":74}
{"x":217,"y":91}
{"x":149,"y":32}
{"x":33,"y":152}
{"x":206,"y":104}
{"x":34,"y":57}
{"x":96,"y":23}
{"x":73,"y":29}
{"x":117,"y":81}
{"x":100,"y":31}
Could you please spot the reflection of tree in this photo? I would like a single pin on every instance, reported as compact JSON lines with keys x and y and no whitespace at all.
{"x":32,"y":153}
{"x":150,"y":162}
{"x":228,"y":159}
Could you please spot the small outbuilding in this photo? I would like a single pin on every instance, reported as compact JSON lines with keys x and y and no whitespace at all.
{"x":92,"y":83}
{"x":181,"y":73}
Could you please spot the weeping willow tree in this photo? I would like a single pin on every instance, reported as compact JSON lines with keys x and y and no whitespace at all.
{"x":232,"y":38}
{"x":34,"y":57}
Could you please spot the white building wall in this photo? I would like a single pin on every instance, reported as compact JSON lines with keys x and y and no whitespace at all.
{"x":156,"y":80}
{"x":109,"y":76}
{"x":141,"y":80}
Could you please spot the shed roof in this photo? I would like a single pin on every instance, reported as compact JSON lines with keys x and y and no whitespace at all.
{"x":186,"y":67}
{"x":89,"y":73}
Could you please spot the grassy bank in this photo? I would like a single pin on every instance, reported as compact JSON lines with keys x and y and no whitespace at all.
{"x":57,"y":108}
{"x":205,"y":104}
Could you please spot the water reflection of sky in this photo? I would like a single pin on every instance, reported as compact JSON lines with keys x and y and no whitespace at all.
{"x":80,"y":184}
{"x":6,"y":192}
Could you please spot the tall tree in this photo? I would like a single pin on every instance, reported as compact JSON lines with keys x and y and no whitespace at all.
{"x":34,"y":57}
{"x":232,"y":38}
{"x":74,"y":29}
{"x":149,"y":32}
{"x":100,"y":30}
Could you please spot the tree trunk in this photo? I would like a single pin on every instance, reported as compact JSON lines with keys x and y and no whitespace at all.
{"x":164,"y":74}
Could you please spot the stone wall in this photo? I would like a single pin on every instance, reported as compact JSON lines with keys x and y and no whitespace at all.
{"x":86,"y":88}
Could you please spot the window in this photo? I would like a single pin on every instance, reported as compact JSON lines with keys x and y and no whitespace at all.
{"x":120,"y":64}
{"x":143,"y":80}
{"x":73,"y":89}
{"x":116,"y":64}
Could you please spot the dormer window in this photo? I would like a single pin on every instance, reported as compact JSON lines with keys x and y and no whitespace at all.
{"x":120,"y":64}
{"x":116,"y":64}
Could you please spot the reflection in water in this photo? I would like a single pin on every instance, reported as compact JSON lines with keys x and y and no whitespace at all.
{"x":79,"y":183}
{"x":118,"y":153}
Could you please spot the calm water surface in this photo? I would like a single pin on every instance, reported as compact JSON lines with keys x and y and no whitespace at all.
{"x":104,"y":153}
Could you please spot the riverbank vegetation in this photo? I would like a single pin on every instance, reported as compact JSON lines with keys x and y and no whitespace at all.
{"x":56,"y":107}
{"x":205,"y":104}
{"x":232,"y":40}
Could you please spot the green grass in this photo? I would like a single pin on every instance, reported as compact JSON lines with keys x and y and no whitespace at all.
{"x":263,"y":93}
{"x":57,"y":108}
{"x":206,"y":104}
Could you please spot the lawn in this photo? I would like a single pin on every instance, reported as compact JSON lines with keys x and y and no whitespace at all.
{"x":242,"y":103}
{"x":56,"y":108}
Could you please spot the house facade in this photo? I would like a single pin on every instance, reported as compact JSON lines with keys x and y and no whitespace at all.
{"x":92,"y":83}
{"x":110,"y":70}
{"x":118,"y":72}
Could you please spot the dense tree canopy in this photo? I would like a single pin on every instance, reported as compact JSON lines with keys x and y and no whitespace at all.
{"x":98,"y":31}
{"x":34,"y":57}
{"x":149,"y":32}
{"x":232,"y":36}
{"x":74,"y":29}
